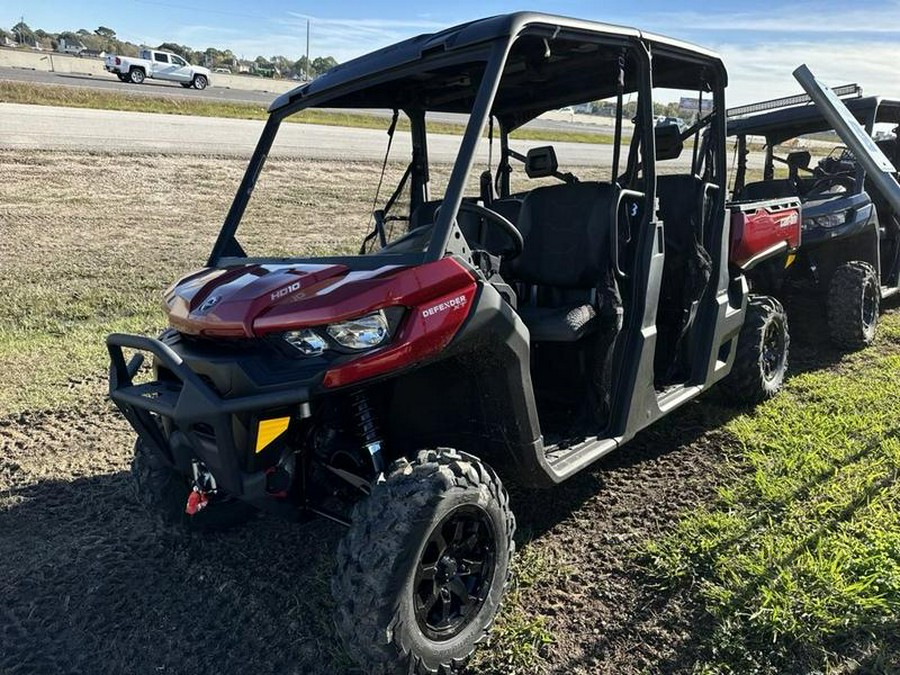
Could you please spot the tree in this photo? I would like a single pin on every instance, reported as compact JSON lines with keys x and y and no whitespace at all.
{"x":281,"y":63}
{"x":300,"y":66}
{"x":104,"y":38}
{"x":320,"y":64}
{"x":23,"y":33}
{"x":107,"y":39}
{"x":212,"y":57}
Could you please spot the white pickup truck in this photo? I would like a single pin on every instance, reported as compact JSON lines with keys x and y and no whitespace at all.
{"x":159,"y":66}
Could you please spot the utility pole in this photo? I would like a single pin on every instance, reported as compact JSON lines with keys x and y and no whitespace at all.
{"x":308,"y":78}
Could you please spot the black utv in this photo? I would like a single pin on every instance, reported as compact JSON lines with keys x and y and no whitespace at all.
{"x":849,"y":258}
{"x":522,"y":324}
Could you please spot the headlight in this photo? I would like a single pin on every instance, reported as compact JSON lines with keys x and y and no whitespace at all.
{"x":362,"y":333}
{"x":827,"y":221}
{"x":307,"y":341}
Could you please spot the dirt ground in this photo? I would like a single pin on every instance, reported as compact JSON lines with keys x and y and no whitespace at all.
{"x":90,"y":584}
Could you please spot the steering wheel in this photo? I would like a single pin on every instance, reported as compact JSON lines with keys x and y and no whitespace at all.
{"x":821,"y":186}
{"x":515,"y":237}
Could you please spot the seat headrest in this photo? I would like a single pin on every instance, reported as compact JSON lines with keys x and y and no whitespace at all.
{"x":799,"y":159}
{"x":668,"y":141}
{"x":541,"y":162}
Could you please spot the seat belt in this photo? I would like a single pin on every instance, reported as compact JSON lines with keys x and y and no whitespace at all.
{"x":378,"y":230}
{"x":620,"y":95}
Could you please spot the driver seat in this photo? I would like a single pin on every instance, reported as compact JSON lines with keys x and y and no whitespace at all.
{"x":565,"y":260}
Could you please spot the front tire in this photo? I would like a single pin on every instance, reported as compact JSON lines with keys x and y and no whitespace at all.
{"x":423,"y":567}
{"x":200,"y":82}
{"x":761,"y":362}
{"x":163,"y":491}
{"x":854,"y":297}
{"x":136,"y":76}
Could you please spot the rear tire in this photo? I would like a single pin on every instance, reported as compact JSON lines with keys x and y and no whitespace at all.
{"x":136,"y":76}
{"x":163,"y":491}
{"x":761,"y":362}
{"x":423,"y":567}
{"x":200,"y":82}
{"x":854,"y":298}
{"x":122,"y":77}
{"x":186,"y":85}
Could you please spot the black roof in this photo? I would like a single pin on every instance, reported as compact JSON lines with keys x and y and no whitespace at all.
{"x":370,"y":80}
{"x":781,"y":125}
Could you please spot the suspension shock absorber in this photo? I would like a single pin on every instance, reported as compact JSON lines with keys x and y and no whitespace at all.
{"x":367,"y":427}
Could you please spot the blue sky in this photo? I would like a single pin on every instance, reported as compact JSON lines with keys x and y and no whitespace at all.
{"x":760,"y":41}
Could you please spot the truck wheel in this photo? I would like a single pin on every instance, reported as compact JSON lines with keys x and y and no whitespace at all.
{"x":421,"y":571}
{"x":200,"y":82}
{"x":163,"y":492}
{"x":122,"y":77}
{"x":854,"y":296}
{"x":136,"y":76}
{"x":761,"y":361}
{"x":186,"y":85}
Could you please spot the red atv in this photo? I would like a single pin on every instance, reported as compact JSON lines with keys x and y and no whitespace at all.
{"x":850,"y":258}
{"x":489,"y":331}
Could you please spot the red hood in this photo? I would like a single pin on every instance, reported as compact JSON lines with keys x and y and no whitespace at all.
{"x":253,"y":300}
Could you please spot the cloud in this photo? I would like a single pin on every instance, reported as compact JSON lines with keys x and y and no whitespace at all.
{"x":795,"y":18}
{"x":347,"y":38}
{"x":763,"y":71}
{"x":343,"y":39}
{"x":760,"y":48}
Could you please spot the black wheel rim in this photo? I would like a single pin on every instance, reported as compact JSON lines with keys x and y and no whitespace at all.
{"x":772,"y":350}
{"x":454,"y":573}
{"x":869,"y":306}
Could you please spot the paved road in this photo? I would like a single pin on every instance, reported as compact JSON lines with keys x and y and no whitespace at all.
{"x":107,"y":81}
{"x":151,"y":88}
{"x":46,"y":127}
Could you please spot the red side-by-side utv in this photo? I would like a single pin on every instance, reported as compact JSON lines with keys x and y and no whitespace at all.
{"x":520,"y":329}
{"x":850,"y":258}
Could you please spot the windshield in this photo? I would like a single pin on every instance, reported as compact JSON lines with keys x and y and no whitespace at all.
{"x":320,"y":185}
{"x":345,"y":182}
{"x":448,"y":168}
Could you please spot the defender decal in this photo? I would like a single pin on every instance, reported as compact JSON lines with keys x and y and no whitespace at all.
{"x":454,"y":303}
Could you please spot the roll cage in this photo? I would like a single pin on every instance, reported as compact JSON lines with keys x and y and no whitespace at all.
{"x":510,"y":69}
{"x":781,"y":125}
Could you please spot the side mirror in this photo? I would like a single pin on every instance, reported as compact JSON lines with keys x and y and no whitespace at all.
{"x":799,"y":159}
{"x":541,"y":162}
{"x":668,"y":141}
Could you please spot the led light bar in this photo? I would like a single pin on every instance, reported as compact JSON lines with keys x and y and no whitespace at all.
{"x":844,"y":91}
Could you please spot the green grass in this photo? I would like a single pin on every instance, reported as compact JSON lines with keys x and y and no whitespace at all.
{"x":797,"y":565}
{"x":75,"y":97}
{"x":61,"y":348}
{"x":520,"y":639}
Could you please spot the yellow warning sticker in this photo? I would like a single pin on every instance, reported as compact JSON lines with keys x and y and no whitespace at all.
{"x":269,"y":430}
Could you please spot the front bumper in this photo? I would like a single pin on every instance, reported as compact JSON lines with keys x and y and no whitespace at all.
{"x":184,"y":417}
